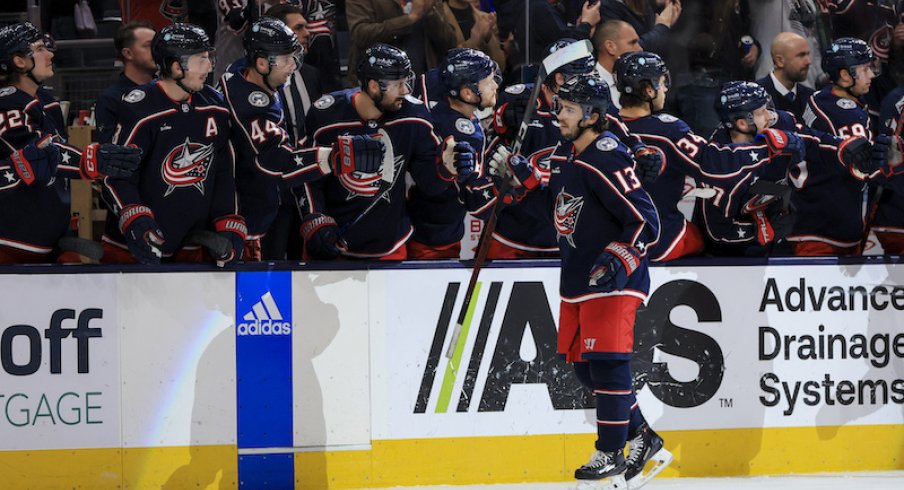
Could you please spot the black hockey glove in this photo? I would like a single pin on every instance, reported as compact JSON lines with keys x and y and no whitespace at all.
{"x":507,"y":117}
{"x":321,"y":236}
{"x":611,"y":269}
{"x":108,"y":160}
{"x":143,"y":236}
{"x":358,"y":153}
{"x":37,"y":161}
{"x":465,"y":160}
{"x":233,"y":228}
{"x":649,"y":162}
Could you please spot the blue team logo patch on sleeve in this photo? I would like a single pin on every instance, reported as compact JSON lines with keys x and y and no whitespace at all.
{"x":464,"y":126}
{"x":324,"y":102}
{"x":666,"y":118}
{"x":136,"y":95}
{"x":846,"y":103}
{"x":258,"y":99}
{"x":606,"y":144}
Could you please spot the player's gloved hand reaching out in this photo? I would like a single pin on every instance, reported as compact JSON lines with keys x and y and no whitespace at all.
{"x":143,"y":236}
{"x":648,"y":161}
{"x":781,"y":142}
{"x":109,"y":160}
{"x":465,"y":160}
{"x":357,"y":153}
{"x":516,"y":168}
{"x":611,"y":269}
{"x":507,"y":117}
{"x":37,"y":161}
{"x":321,"y":236}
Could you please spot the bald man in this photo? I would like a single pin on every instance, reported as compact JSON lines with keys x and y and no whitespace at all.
{"x":612,"y":39}
{"x":791,"y":61}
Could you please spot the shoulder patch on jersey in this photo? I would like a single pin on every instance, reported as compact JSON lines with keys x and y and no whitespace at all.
{"x":258,"y":99}
{"x":606,"y":144}
{"x":846,"y":103}
{"x":414,"y":100}
{"x":136,"y":95}
{"x":324,"y":102}
{"x":7,"y":91}
{"x":666,"y":118}
{"x":464,"y":126}
{"x":516,"y":89}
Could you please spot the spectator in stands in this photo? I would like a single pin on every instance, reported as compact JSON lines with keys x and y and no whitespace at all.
{"x":322,"y":50}
{"x":791,"y":58}
{"x":283,"y":239}
{"x":695,"y":96}
{"x":474,"y":28}
{"x":652,"y":28}
{"x":133,"y":48}
{"x":417,"y":27}
{"x":548,"y":23}
{"x":738,"y":51}
{"x":612,"y":39}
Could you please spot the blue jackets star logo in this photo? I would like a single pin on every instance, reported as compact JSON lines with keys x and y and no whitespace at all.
{"x":187,"y":165}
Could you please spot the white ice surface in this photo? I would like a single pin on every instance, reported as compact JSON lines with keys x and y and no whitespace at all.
{"x":891,"y":480}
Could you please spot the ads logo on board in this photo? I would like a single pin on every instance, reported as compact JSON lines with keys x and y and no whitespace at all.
{"x":80,"y":332}
{"x":527,"y":318}
{"x":264,"y":319}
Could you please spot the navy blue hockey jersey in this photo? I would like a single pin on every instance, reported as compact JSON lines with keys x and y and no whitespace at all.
{"x":186,"y":172}
{"x":412,"y":147}
{"x":596,"y":199}
{"x":725,"y":169}
{"x":265,"y":156}
{"x":33,"y":217}
{"x":832,"y":186}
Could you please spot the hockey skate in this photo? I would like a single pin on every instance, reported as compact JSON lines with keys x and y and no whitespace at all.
{"x":645,"y":447}
{"x":604,"y":471}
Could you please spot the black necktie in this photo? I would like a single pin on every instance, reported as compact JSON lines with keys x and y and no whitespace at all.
{"x":791,"y":96}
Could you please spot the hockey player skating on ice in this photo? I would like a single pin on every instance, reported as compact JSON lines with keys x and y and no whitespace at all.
{"x":266,"y":158}
{"x":367,"y":210}
{"x":597,"y":203}
{"x":469,"y":78}
{"x":186,"y":181}
{"x":37,"y":163}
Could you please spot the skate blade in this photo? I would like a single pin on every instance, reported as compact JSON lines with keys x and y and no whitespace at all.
{"x":654,"y":466}
{"x":616,"y":482}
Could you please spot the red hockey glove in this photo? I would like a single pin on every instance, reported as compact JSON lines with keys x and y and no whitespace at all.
{"x":516,"y":167}
{"x":783,"y":143}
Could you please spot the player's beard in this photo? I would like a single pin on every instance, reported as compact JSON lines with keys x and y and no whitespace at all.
{"x":394,"y":106}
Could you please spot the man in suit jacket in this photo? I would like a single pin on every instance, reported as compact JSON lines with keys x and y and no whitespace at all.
{"x":791,"y":59}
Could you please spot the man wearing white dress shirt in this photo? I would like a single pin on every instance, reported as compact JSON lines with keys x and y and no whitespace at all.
{"x":612,"y":39}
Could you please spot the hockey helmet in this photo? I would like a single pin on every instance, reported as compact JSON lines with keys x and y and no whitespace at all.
{"x":848,"y":53}
{"x":268,"y":38}
{"x":589,"y":91}
{"x":633,"y":70}
{"x":466,"y":67}
{"x":383,"y":62}
{"x":739,"y":100}
{"x":16,"y":40}
{"x":176,"y":42}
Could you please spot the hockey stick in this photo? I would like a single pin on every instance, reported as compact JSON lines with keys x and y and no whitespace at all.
{"x":551,"y":63}
{"x":86,"y":248}
{"x":387,"y":182}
